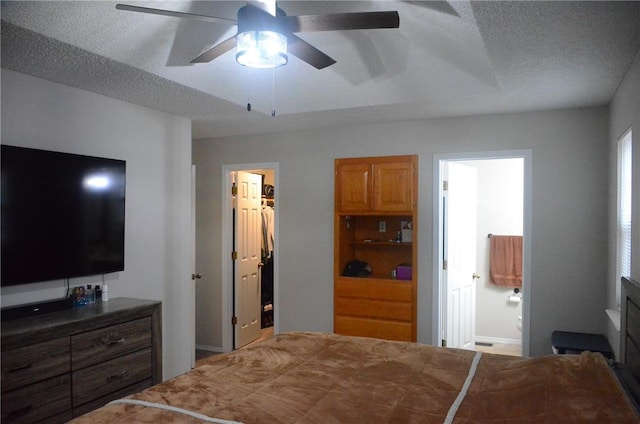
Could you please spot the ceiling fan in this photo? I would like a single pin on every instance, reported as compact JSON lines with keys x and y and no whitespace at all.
{"x":266,"y":34}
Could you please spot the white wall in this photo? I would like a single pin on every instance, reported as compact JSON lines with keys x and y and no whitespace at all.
{"x":569,"y":222}
{"x":624,"y":113}
{"x":499,"y":211}
{"x":157,"y":149}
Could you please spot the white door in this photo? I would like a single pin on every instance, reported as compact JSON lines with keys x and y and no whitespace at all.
{"x":248,"y":223}
{"x":460,"y":255}
{"x":194,"y":274}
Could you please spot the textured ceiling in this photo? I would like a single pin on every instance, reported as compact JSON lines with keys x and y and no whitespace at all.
{"x":446,"y":59}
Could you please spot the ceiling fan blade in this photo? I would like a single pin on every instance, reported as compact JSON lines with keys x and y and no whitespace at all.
{"x":341,"y":21}
{"x":306,"y":52}
{"x":268,"y":6}
{"x":174,"y":14}
{"x":438,"y":6}
{"x":216,"y":51}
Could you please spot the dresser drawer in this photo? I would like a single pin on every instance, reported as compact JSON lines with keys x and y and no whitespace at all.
{"x":95,"y":404}
{"x":37,"y":401}
{"x":371,"y":288}
{"x":98,"y":346}
{"x":99,"y":380}
{"x":36,"y":362}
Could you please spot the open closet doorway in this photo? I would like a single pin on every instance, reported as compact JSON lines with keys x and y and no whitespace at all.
{"x":250,"y":253}
{"x":478,"y":195}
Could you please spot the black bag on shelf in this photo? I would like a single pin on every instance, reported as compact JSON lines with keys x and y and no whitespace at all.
{"x":356,"y":268}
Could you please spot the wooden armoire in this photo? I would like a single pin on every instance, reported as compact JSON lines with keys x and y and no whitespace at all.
{"x":375,"y":222}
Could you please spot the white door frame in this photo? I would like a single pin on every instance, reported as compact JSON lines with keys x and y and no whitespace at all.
{"x":194,"y":280}
{"x":226,"y":242}
{"x":526,"y":155}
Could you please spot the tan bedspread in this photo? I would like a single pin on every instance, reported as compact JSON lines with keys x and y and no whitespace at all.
{"x":324,"y":378}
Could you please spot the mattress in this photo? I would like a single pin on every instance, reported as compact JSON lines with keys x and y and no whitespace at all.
{"x":318,"y":378}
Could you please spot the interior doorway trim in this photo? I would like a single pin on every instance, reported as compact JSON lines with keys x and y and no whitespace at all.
{"x":438,"y":159}
{"x":227,"y":269}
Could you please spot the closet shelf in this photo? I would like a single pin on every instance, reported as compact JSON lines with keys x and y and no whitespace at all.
{"x":380,"y":243}
{"x":374,"y":278}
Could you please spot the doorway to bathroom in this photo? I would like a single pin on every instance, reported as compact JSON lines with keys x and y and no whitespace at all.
{"x":479,"y":195}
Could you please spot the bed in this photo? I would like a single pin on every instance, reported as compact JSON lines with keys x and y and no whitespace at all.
{"x":327,"y":378}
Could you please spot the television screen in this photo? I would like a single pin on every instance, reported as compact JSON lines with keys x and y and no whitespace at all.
{"x":62,"y":215}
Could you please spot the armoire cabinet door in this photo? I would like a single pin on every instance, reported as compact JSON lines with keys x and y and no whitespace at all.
{"x":354,"y":186}
{"x":393,"y":187}
{"x":383,"y":184}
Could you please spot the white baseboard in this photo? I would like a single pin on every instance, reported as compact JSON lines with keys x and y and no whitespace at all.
{"x":497,"y":340}
{"x":209,"y":348}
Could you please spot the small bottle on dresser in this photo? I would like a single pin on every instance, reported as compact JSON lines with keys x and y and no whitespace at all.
{"x":105,"y":293}
{"x":98,"y":294}
{"x":91,"y":296}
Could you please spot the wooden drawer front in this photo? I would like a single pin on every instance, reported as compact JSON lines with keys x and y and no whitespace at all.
{"x":380,"y":329}
{"x":95,"y":404}
{"x":99,"y":380}
{"x":374,"y":289}
{"x":400,"y":311}
{"x":37,"y":401}
{"x":37,"y":362}
{"x":98,"y":346}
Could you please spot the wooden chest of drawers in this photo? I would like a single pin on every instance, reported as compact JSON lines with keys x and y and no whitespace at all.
{"x":61,"y":365}
{"x":376,"y":202}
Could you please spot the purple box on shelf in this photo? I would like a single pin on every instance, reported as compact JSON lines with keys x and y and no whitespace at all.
{"x":403,"y":272}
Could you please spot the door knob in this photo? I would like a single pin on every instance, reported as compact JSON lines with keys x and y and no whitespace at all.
{"x":196,"y":276}
{"x":476,"y":276}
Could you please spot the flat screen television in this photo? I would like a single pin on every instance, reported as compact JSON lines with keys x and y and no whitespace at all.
{"x":62,"y":215}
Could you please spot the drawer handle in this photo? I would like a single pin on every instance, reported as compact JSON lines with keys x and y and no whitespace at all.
{"x":19,"y":368}
{"x":116,"y":376}
{"x":19,"y":412}
{"x":114,"y":339}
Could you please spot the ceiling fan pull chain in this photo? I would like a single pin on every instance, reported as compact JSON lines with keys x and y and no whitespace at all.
{"x":249,"y":89}
{"x":273,"y":92}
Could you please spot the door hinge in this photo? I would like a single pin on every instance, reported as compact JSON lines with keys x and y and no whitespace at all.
{"x":234,"y":255}
{"x":234,"y":190}
{"x":234,"y":320}
{"x":445,"y":185}
{"x":444,"y":343}
{"x":445,"y":264}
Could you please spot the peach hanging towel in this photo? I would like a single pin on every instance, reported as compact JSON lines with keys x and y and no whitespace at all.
{"x":505,"y":260}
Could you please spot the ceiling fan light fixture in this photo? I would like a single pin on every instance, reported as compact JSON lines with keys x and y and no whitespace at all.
{"x":261,"y":49}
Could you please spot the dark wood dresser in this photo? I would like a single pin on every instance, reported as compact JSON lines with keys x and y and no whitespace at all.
{"x":61,"y":365}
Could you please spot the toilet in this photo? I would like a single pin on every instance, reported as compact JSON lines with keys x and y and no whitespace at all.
{"x":517,"y":298}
